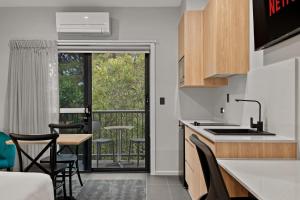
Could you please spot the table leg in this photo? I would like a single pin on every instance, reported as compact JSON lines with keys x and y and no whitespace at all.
{"x":119,"y":150}
{"x":70,"y":179}
{"x":97,"y":154}
{"x":119,"y":146}
{"x":77,"y":166}
{"x":87,"y":147}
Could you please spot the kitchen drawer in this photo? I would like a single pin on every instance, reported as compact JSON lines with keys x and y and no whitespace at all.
{"x":189,"y":132}
{"x":199,"y":186}
{"x":188,"y":174}
{"x":188,"y":151}
{"x":190,"y":179}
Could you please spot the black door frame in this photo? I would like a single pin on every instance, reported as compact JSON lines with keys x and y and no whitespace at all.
{"x":88,"y":109}
{"x":88,"y":120}
{"x":147,"y":113}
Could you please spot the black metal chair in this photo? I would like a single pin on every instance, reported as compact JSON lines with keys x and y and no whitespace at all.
{"x":99,"y":142}
{"x":70,"y":158}
{"x":138,"y":142}
{"x":52,"y":168}
{"x":212,"y":175}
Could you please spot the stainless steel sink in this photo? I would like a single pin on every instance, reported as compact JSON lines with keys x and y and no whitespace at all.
{"x":212,"y":124}
{"x":238,"y":132}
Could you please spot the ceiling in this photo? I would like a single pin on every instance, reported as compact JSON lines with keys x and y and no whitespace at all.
{"x":90,"y":3}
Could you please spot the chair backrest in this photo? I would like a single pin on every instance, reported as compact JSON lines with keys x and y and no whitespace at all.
{"x":32,"y":139}
{"x":95,"y":126}
{"x":65,"y":129}
{"x":77,"y":127}
{"x":212,"y":175}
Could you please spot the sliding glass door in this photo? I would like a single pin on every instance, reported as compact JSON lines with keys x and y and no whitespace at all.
{"x":73,"y":95}
{"x":109,"y":92}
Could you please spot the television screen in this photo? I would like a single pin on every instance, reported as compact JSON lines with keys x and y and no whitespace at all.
{"x":274,"y":21}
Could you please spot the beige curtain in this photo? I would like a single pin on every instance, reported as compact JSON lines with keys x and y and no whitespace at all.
{"x":32,"y":93}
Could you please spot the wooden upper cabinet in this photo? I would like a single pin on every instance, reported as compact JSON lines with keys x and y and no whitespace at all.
{"x":181,"y":37}
{"x":226,"y":38}
{"x":190,"y":53}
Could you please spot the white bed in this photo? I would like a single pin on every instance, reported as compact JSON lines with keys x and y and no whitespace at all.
{"x":25,"y":186}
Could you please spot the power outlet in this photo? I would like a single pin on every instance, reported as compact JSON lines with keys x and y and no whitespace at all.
{"x":222,"y":110}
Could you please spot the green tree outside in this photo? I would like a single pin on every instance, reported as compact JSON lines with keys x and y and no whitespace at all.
{"x":118,"y":81}
{"x":71,"y":82}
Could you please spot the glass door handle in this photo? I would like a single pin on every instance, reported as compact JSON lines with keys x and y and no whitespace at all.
{"x":147,"y":100}
{"x":87,"y":110}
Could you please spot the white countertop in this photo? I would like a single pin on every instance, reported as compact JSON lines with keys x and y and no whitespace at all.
{"x":267,"y":179}
{"x":233,"y":138}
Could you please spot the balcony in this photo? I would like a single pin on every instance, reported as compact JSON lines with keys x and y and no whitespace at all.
{"x":113,"y":150}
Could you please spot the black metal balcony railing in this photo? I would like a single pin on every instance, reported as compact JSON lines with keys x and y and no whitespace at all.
{"x":135,"y":118}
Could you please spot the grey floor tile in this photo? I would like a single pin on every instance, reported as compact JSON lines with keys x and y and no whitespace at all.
{"x":158,"y":192}
{"x":157,"y":180}
{"x":157,"y":187}
{"x":178,"y":193}
{"x":173,"y":180}
{"x":111,"y":176}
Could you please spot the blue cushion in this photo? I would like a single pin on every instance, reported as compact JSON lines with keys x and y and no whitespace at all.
{"x":7,"y":152}
{"x":3,"y":164}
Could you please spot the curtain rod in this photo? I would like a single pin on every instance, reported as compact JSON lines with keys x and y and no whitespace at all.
{"x":106,"y":42}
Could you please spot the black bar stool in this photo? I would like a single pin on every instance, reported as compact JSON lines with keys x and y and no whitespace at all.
{"x":100,"y":141}
{"x":138,"y":142}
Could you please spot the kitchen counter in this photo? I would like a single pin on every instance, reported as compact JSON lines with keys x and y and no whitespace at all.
{"x":266,"y":179}
{"x":229,"y":147}
{"x":233,"y":138}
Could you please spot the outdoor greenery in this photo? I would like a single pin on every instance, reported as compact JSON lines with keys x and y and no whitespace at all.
{"x":117,"y":81}
{"x":71,"y":82}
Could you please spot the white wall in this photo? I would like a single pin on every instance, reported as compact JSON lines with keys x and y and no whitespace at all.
{"x":128,"y":24}
{"x":258,"y":59}
{"x":193,"y":4}
{"x":282,"y":51}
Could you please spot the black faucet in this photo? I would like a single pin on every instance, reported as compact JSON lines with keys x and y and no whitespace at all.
{"x":259,"y":125}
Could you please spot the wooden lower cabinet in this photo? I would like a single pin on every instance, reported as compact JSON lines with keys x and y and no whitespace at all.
{"x":194,"y":176}
{"x":233,"y":150}
{"x":235,"y":189}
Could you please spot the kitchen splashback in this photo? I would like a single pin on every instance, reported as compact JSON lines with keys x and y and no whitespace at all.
{"x":275,"y":87}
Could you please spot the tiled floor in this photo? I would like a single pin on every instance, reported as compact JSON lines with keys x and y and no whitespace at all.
{"x":157,"y":187}
{"x":111,"y":164}
{"x":165,"y":187}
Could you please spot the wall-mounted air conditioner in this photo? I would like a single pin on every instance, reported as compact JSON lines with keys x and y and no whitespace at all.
{"x":83,"y":22}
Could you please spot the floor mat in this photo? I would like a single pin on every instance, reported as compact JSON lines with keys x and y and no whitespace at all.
{"x":112,"y":190}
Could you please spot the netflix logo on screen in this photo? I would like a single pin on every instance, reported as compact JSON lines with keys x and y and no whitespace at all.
{"x":275,"y":21}
{"x":275,"y":6}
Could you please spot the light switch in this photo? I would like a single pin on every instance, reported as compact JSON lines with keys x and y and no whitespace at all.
{"x":162,"y":101}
